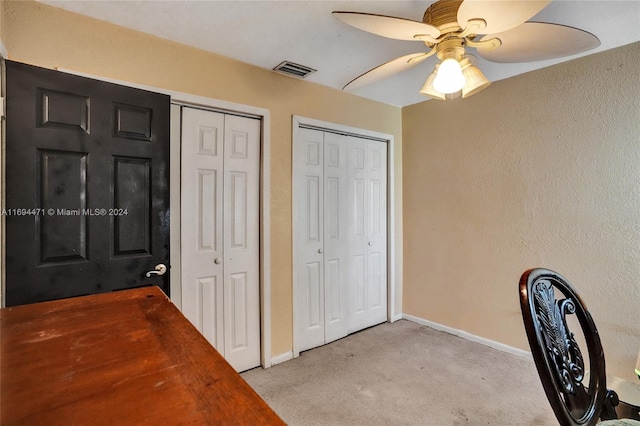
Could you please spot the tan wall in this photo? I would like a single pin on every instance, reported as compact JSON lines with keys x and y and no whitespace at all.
{"x":1,"y":21}
{"x":542,"y":169}
{"x":45,"y":36}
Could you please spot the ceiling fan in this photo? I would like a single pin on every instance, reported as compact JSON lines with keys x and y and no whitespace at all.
{"x":497,"y":29}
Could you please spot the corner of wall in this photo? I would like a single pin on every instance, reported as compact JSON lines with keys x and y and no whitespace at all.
{"x":469,"y":336}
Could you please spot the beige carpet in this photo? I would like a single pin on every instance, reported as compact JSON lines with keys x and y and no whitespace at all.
{"x":404,"y":374}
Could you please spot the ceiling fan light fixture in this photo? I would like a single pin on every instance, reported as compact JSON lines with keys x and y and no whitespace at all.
{"x":475,"y":81}
{"x":449,"y":78}
{"x":450,"y":27}
{"x":428,"y":89}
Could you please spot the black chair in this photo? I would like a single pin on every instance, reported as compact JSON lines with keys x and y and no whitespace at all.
{"x":546,"y":299}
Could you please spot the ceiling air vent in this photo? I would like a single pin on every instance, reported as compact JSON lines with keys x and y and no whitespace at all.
{"x":294,"y":70}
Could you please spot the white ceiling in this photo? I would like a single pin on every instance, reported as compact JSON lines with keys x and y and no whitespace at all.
{"x":265,"y":33}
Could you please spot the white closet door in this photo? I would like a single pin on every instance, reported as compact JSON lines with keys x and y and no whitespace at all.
{"x":201,"y":216}
{"x":377,"y":232}
{"x":336,"y":248}
{"x":358,"y":271}
{"x":220,"y":223}
{"x":308,"y":221}
{"x":340,"y":228}
{"x":241,"y":242}
{"x":367,"y":175}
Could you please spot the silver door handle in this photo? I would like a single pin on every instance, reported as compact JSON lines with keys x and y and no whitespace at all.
{"x":320,"y":250}
{"x":369,"y":243}
{"x":160,"y":269}
{"x":217,"y":261}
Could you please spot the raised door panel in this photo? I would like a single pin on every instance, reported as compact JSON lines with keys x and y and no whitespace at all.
{"x":202,"y":222}
{"x":61,"y":238}
{"x":209,"y":309}
{"x":208,"y":220}
{"x":131,"y":194}
{"x":241,"y":242}
{"x":308,"y":187}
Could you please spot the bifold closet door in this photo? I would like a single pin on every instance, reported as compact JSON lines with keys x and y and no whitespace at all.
{"x":308,"y":223}
{"x":320,"y":233}
{"x":367,"y":177}
{"x":220,"y":232}
{"x":336,"y":248}
{"x":339,"y":235}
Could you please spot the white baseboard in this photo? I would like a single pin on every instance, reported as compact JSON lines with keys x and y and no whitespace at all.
{"x":471,"y":337}
{"x":278,"y":359}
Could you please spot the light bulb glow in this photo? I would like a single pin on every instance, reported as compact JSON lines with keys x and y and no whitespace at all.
{"x":449,"y":78}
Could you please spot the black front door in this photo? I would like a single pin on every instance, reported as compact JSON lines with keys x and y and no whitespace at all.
{"x":87,"y":186}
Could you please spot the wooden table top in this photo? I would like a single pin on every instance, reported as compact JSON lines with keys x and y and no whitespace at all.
{"x":121,"y":358}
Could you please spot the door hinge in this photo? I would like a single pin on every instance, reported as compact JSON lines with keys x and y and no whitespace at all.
{"x":2,"y":106}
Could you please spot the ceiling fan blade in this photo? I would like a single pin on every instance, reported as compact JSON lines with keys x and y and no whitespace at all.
{"x":387,"y":26}
{"x":499,"y":15}
{"x":538,"y":41}
{"x":388,"y":68}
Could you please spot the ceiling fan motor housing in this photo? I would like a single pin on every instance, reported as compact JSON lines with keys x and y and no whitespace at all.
{"x":443,"y":15}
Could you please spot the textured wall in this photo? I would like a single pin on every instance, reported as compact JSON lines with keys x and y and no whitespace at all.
{"x":542,"y":169}
{"x":45,"y":36}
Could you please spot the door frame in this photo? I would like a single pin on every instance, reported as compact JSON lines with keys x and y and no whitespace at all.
{"x":394,"y":249}
{"x":3,"y":197}
{"x":196,"y":101}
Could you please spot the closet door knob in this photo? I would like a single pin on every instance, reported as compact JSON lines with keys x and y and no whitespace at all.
{"x":320,"y":250}
{"x":369,"y":243}
{"x":217,"y":261}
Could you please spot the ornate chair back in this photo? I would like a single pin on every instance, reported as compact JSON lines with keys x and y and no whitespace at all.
{"x":546,"y":300}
